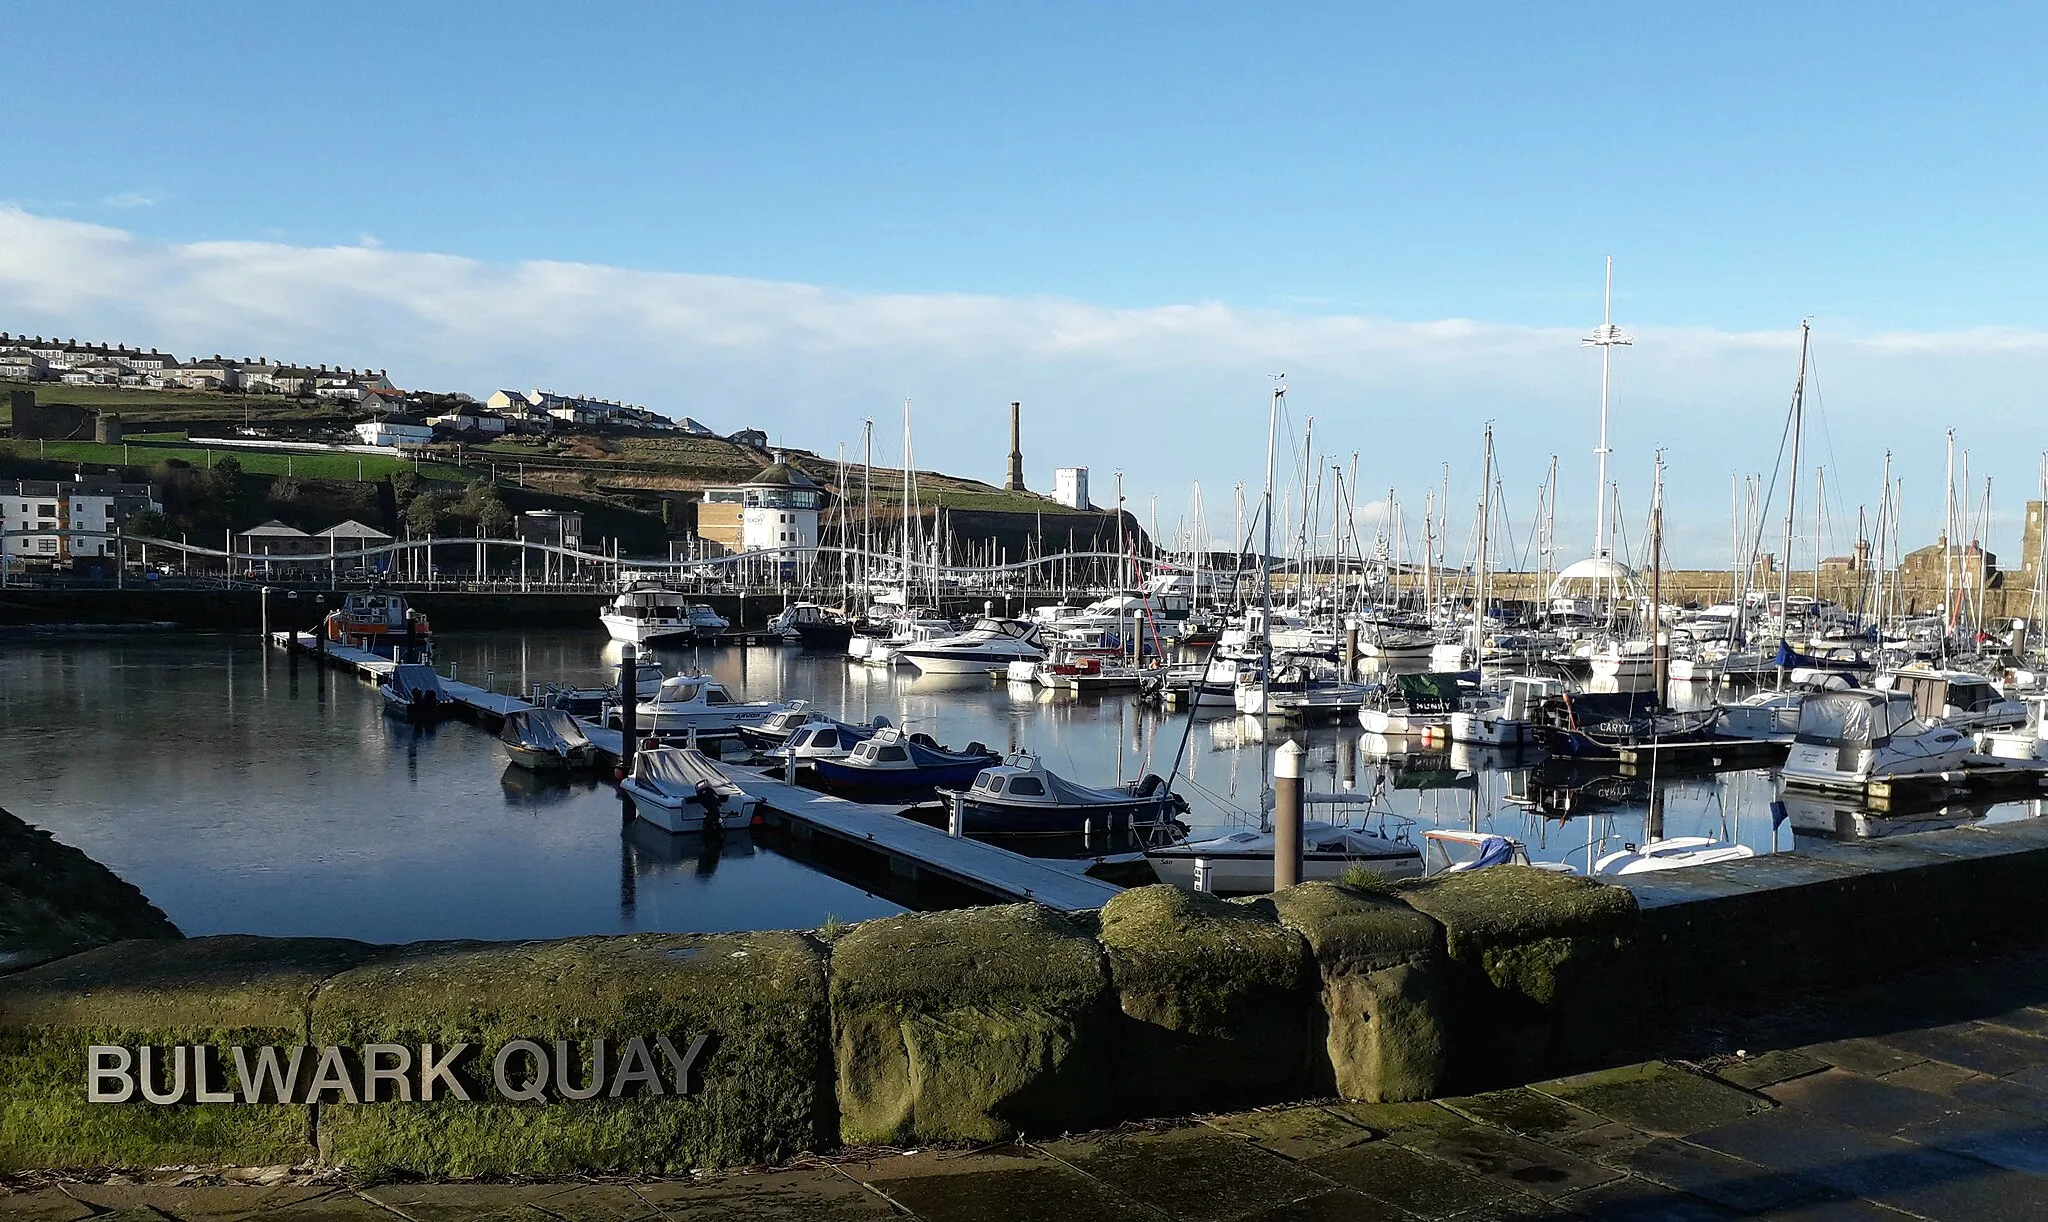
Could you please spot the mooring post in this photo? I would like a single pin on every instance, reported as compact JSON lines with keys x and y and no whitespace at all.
{"x":266,"y":615}
{"x":1350,"y":652}
{"x":629,"y":708}
{"x":956,"y":821}
{"x":1287,"y":814}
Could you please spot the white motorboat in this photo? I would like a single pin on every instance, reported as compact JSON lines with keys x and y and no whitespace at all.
{"x":1241,"y":863}
{"x":990,"y":646}
{"x":1453,"y":851}
{"x":1512,"y":723}
{"x":677,"y":789}
{"x":546,"y":740}
{"x":1411,"y":704}
{"x":648,"y":613}
{"x":1675,"y":853}
{"x":1959,"y":699}
{"x":647,"y":677}
{"x":1628,"y":665}
{"x":699,"y":702}
{"x":705,"y":622}
{"x":1846,"y":740}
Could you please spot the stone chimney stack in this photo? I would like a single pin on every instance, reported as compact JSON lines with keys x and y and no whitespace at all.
{"x":1015,"y":482}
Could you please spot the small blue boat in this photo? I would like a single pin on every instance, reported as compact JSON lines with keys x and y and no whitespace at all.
{"x":896,"y":763}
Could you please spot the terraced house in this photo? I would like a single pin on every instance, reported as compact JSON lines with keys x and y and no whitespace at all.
{"x":56,"y":522}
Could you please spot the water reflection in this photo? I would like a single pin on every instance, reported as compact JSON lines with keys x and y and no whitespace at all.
{"x":243,"y":793}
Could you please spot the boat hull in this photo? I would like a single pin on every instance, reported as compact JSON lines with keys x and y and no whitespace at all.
{"x":841,"y":777}
{"x":629,"y":631}
{"x":684,"y":815}
{"x":985,"y":818}
{"x":1252,"y":874}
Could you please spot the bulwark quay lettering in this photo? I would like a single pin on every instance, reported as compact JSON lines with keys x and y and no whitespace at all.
{"x":520,"y":1071}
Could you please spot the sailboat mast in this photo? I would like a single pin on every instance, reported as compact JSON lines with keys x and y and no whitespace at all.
{"x":1266,"y":592}
{"x":1792,"y":500}
{"x":1820,"y":500}
{"x":906,"y":506}
{"x":1659,"y":663}
{"x":1606,"y":338}
{"x":1485,"y":519}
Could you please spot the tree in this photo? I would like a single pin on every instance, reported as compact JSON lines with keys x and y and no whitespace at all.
{"x":423,"y":514}
{"x":405,"y":485}
{"x":149,"y":524}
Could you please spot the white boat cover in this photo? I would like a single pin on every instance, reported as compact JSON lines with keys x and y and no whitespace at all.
{"x":675,"y":771}
{"x":411,"y":677}
{"x":1858,"y":716}
{"x":550,"y":730}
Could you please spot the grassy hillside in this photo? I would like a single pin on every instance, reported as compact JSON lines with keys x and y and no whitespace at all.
{"x":255,"y":462}
{"x":137,"y":403}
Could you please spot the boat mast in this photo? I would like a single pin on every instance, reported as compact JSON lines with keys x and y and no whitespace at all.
{"x":1948,"y":566}
{"x":906,"y":506}
{"x":1606,"y":338}
{"x":1659,"y":662}
{"x":1479,"y":575}
{"x":1266,"y":600}
{"x":1820,"y":500}
{"x":1792,"y":501}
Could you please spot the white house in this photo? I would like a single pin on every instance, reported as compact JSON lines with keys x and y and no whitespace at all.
{"x":29,"y":508}
{"x":775,"y":509}
{"x":395,"y":432}
{"x":1070,"y":487}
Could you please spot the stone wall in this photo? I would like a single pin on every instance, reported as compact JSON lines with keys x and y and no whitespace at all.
{"x":55,"y":900}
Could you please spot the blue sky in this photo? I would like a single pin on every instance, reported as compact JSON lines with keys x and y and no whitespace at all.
{"x":1878,"y":167}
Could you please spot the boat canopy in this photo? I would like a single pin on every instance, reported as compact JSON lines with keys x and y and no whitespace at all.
{"x":552,"y":730}
{"x":676,"y":772}
{"x":1431,"y":688}
{"x":1023,"y":779}
{"x":413,"y":678}
{"x":1860,"y":716}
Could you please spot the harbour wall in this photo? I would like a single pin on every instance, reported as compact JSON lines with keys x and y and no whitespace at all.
{"x":976,"y":1025}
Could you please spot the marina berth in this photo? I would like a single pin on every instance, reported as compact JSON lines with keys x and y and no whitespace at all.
{"x":546,"y":740}
{"x":1021,"y":797}
{"x":697,"y":702}
{"x":382,"y":624}
{"x":678,"y":789}
{"x":988,"y":647}
{"x":893,"y":762}
{"x":1847,"y":740}
{"x":1241,"y":863}
{"x":413,"y":693}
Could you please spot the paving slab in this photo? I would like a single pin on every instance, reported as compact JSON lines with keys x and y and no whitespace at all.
{"x":1409,"y":1181}
{"x":1516,"y":1162}
{"x":598,"y":1203}
{"x":1656,"y":1098}
{"x":1015,"y":1194}
{"x":1338,"y":1205}
{"x":1194,"y":1173}
{"x":1401,"y":1119}
{"x":42,"y":1205}
{"x":2005,"y":1095}
{"x":463,"y":1202}
{"x":773,"y":1196}
{"x":1717,"y":1177}
{"x":196,"y":1203}
{"x":1863,"y":1055}
{"x":1873,"y":1104}
{"x":1295,"y":1132}
{"x":1769,"y":1069}
{"x":1631,"y":1200}
{"x":1931,"y":1183}
{"x":1527,"y":1112}
{"x":1997,"y":1051}
{"x":1989,"y":1135}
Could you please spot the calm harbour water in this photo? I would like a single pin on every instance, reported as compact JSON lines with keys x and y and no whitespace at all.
{"x":245,"y":793}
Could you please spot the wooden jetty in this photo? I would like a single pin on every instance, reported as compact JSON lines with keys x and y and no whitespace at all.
{"x":913,"y":848}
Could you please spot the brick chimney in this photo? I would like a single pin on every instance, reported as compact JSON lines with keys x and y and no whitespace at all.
{"x":1015,"y":482}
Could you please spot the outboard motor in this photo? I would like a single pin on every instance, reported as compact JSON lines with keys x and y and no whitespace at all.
{"x":712,"y":801}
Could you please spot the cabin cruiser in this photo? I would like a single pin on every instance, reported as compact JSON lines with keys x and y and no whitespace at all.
{"x":546,"y":740}
{"x":812,"y":626}
{"x":1241,"y":863}
{"x":1959,"y":699}
{"x":413,"y":693}
{"x":1848,"y":739}
{"x":1020,"y":797}
{"x":678,"y":789}
{"x":879,"y":645}
{"x":825,"y":739}
{"x":380,"y":623}
{"x":990,"y":646}
{"x":698,"y":702}
{"x":647,"y":677}
{"x":1675,"y":853}
{"x":705,"y":623}
{"x":1412,"y":704}
{"x":647,"y":613}
{"x":774,"y":732}
{"x":893,"y":762}
{"x":1512,"y":722}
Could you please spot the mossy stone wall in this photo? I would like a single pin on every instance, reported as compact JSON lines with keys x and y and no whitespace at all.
{"x":222,"y":991}
{"x":973,"y":1025}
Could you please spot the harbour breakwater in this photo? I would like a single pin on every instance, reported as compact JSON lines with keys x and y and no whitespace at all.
{"x":974,"y":1025}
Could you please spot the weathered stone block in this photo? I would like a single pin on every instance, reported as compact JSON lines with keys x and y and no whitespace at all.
{"x":1217,"y":1001}
{"x":1543,"y":972}
{"x":763,"y":1081}
{"x":55,"y":900}
{"x":1382,"y":968}
{"x":975,"y":1025}
{"x":221,"y":991}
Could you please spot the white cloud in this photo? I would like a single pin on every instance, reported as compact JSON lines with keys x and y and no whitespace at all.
{"x":130,"y":199}
{"x":1168,"y":394}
